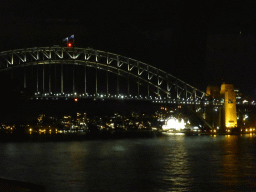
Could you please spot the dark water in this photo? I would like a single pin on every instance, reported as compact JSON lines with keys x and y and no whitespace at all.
{"x":167,"y":163}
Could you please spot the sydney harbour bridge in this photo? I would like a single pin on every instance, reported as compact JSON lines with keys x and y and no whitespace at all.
{"x":53,"y":73}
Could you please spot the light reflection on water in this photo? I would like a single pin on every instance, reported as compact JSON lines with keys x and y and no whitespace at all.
{"x":169,"y":163}
{"x":176,"y":170}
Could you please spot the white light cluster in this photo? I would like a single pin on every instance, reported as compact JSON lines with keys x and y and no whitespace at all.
{"x":173,"y":123}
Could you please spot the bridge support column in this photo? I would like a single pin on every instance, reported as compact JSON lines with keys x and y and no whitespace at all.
{"x":128,"y":84}
{"x":37,"y":89}
{"x":55,"y":82}
{"x":117,"y":82}
{"x":50,"y":78}
{"x":73,"y":78}
{"x":43,"y":76}
{"x":107,"y":79}
{"x":32,"y":72}
{"x":138,"y":86}
{"x":148,"y":88}
{"x":61,"y":84}
{"x":96,"y":79}
{"x":85,"y":79}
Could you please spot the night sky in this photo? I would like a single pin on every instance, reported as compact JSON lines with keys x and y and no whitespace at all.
{"x":202,"y":42}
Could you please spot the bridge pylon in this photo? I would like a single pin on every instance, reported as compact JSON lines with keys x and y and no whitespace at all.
{"x":222,"y":115}
{"x":229,"y":97}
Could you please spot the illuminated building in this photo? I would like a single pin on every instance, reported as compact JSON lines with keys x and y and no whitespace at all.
{"x":238,"y":96}
{"x":80,"y":119}
{"x":229,"y":96}
{"x":174,"y":124}
{"x":67,"y":122}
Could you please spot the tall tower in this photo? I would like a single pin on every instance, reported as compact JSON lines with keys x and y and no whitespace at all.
{"x":228,"y":93}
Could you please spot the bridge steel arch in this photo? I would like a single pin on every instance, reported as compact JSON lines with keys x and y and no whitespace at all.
{"x":155,"y":80}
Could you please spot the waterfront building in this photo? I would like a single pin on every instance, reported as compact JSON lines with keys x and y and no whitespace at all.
{"x":67,"y":121}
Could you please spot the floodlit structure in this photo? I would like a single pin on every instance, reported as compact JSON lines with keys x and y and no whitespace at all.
{"x":229,"y":95}
{"x":174,"y":124}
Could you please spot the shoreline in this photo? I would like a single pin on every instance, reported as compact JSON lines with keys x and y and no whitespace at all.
{"x":82,"y":136}
{"x":77,"y":136}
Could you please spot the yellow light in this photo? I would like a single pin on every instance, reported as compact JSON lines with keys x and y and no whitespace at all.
{"x":241,"y":129}
{"x":246,"y":130}
{"x":250,"y":129}
{"x":30,"y":129}
{"x":214,"y":131}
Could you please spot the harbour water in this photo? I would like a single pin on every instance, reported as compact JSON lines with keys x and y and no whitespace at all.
{"x":171,"y":162}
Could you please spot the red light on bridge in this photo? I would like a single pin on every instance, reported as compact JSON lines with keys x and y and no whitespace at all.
{"x":69,"y":44}
{"x":75,"y":99}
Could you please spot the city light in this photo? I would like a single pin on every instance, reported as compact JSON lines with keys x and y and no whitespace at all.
{"x":173,"y":123}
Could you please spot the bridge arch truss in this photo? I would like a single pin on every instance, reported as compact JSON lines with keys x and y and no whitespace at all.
{"x":157,"y":83}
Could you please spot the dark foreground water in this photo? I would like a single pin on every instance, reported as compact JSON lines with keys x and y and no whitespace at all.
{"x":167,"y":163}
